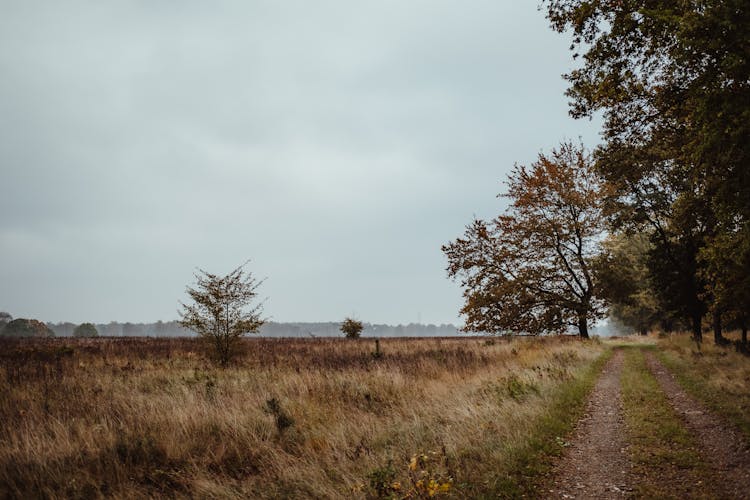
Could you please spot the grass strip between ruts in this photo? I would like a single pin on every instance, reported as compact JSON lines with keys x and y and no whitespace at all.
{"x":664,"y":453}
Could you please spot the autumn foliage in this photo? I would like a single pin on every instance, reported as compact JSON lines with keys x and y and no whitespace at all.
{"x":529,"y":269}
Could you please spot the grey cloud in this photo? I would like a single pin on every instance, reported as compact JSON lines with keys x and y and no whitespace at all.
{"x":335,"y":143}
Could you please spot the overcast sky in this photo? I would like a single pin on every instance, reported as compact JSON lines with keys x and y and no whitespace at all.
{"x":337,"y":144}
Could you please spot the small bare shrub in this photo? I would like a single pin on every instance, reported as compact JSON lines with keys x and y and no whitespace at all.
{"x":221,"y":312}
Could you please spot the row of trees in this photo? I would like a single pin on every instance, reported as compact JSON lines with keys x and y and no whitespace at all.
{"x":656,"y":222}
{"x":268,"y":329}
{"x":126,"y":329}
{"x":673,"y":82}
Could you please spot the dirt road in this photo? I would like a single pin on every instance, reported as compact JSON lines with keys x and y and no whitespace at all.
{"x":596,"y":463}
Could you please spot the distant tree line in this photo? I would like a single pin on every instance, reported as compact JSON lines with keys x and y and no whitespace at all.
{"x":269,"y":329}
{"x":127,"y":329}
{"x":333,"y":329}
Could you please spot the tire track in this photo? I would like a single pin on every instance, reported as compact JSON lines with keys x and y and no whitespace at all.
{"x":596,"y":463}
{"x":723,"y":448}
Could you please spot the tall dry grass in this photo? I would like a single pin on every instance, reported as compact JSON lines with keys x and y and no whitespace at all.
{"x":321,"y":418}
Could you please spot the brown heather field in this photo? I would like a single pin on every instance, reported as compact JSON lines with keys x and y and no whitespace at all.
{"x":291,"y":418}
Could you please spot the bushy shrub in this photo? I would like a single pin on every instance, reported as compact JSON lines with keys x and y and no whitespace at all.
{"x":85,"y":330}
{"x":19,"y":328}
{"x":352,"y":328}
{"x":222,"y":311}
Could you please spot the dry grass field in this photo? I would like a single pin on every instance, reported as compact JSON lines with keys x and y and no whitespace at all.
{"x":318,"y":418}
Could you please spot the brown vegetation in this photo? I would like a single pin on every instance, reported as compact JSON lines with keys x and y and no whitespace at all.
{"x":529,"y":270}
{"x":290,"y":418}
{"x":222,"y":310}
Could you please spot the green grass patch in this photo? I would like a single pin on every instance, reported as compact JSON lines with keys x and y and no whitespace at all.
{"x":663,"y":451}
{"x":717,"y":376}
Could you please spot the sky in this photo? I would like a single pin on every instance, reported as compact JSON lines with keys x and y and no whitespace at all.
{"x":335,"y":144}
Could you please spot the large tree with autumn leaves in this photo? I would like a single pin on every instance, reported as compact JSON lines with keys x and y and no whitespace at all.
{"x":530,"y":269}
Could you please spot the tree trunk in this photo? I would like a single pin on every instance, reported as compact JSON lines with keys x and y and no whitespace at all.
{"x":583,"y":326}
{"x":666,"y":325}
{"x":743,"y":325}
{"x":697,"y":332}
{"x":718,"y":337}
{"x":643,"y":330}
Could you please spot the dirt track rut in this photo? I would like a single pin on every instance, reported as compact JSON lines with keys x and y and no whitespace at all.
{"x":596,"y":462}
{"x":721,"y":446}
